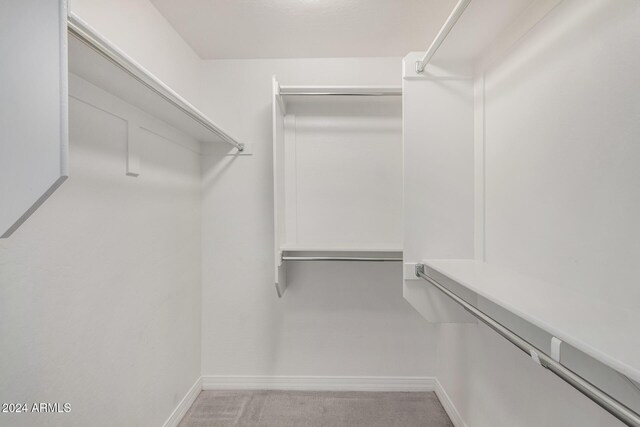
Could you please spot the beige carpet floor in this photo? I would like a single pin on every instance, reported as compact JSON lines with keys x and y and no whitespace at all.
{"x":315,"y":409}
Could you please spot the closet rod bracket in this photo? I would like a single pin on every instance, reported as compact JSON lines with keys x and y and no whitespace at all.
{"x":419,"y":269}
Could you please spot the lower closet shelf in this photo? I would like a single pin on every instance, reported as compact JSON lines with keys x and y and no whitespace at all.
{"x":604,"y":331}
{"x":342,"y":255}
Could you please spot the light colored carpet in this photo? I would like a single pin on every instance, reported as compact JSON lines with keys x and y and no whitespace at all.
{"x":315,"y":409}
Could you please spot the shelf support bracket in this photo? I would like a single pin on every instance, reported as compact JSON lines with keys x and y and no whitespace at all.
{"x":555,"y":349}
{"x":133,"y":149}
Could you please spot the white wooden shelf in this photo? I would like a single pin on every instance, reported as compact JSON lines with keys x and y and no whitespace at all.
{"x":34,"y":143}
{"x":34,"y":160}
{"x":606,"y":332}
{"x":98,"y":61}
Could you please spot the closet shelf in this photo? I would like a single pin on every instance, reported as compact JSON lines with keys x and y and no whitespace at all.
{"x":341,"y":90}
{"x":98,"y":61}
{"x":345,"y":101}
{"x":604,"y":331}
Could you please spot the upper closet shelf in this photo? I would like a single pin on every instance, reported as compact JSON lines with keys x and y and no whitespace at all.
{"x":606,"y":332}
{"x":339,"y":100}
{"x":95,"y":59}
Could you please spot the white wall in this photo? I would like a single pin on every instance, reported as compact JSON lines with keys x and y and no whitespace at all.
{"x":100,"y":289}
{"x":561,"y":152}
{"x":338,"y":165}
{"x":561,"y":200}
{"x":335,"y":318}
{"x":437,"y":126}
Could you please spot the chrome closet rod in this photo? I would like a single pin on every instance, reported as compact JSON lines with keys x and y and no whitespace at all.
{"x":340,"y":90}
{"x":607,"y":402}
{"x":340,"y":258}
{"x":442,"y":34}
{"x":343,"y":93}
{"x":79,"y":29}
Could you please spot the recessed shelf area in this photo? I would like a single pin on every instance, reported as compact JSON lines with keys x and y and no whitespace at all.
{"x":604,"y":331}
{"x":337,"y":174}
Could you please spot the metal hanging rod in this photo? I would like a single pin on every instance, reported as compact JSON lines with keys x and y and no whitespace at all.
{"x":343,"y":94}
{"x":341,"y":258}
{"x":341,"y":90}
{"x":442,"y":34}
{"x":607,"y":402}
{"x":80,"y":30}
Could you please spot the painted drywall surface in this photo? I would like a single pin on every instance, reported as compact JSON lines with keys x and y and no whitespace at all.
{"x":493,"y":384}
{"x":100,"y":289}
{"x":438,"y":179}
{"x":138,"y":29}
{"x":335,"y":318}
{"x":326,"y":195}
{"x":561,"y":152}
{"x":561,"y":200}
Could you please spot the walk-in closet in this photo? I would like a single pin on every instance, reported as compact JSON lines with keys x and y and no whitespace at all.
{"x":309,"y":213}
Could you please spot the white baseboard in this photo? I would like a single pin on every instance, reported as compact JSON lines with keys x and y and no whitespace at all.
{"x":218,"y":382}
{"x":184,"y":405}
{"x":448,"y":405}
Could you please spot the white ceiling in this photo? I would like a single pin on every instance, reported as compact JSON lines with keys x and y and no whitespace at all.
{"x":225,"y":29}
